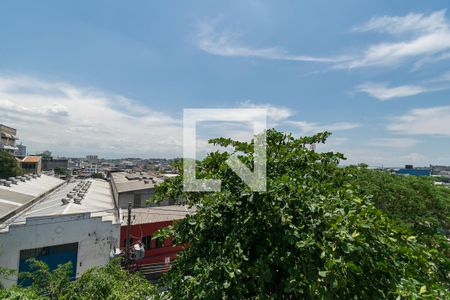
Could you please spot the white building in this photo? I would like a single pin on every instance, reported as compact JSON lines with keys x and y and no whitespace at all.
{"x":57,"y":222}
{"x":91,"y":169}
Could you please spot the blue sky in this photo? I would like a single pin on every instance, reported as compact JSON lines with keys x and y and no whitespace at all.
{"x":113,"y":78}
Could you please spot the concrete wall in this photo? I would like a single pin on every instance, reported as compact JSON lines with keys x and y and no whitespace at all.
{"x":95,"y":240}
{"x":126,"y":197}
{"x":50,"y":164}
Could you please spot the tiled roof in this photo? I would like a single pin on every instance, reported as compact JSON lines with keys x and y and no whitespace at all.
{"x":32,"y":159}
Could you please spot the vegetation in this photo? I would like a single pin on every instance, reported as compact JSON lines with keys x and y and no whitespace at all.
{"x":108,"y":282}
{"x":416,"y":205}
{"x":313,"y":234}
{"x":319,"y":231}
{"x":98,"y":175}
{"x":60,"y":171}
{"x":8,"y":165}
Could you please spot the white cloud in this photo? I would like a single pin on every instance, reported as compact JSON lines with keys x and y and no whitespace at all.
{"x":225,"y":43}
{"x":423,"y":121}
{"x":310,"y":127}
{"x":424,"y":37}
{"x":394,"y":142}
{"x":275,"y":113}
{"x":69,"y":119}
{"x":410,"y":23}
{"x":421,"y":35}
{"x":383,"y":93}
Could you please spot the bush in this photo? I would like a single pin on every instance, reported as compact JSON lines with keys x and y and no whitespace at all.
{"x":8,"y":165}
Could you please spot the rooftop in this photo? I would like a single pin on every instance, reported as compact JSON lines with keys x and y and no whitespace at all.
{"x":159,"y":214}
{"x":126,"y":182}
{"x":14,"y":197}
{"x":97,"y":200}
{"x":31,"y":159}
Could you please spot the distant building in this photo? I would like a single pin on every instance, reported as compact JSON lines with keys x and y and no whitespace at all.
{"x":90,"y":169}
{"x":8,"y":139}
{"x":410,"y":170}
{"x":21,"y":150}
{"x":50,"y":163}
{"x":136,"y":188}
{"x":92,"y":159}
{"x":31,"y":164}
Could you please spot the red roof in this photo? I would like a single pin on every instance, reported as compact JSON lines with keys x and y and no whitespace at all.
{"x":31,"y":159}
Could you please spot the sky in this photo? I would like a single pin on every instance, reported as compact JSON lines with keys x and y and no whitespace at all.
{"x":112,"y":77}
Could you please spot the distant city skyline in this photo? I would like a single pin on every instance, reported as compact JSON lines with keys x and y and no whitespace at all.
{"x":112,"y":80}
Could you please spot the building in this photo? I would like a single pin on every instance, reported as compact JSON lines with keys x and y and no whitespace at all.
{"x":90,"y":169}
{"x":50,"y":163}
{"x":21,"y":151}
{"x":135,"y":188}
{"x":410,"y":170}
{"x":92,"y":159}
{"x":145,"y":222}
{"x":8,"y":139}
{"x":31,"y":164}
{"x":57,"y":222}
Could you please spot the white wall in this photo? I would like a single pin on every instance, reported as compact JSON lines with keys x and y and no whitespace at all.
{"x":95,"y":239}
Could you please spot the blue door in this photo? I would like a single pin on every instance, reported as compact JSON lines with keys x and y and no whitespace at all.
{"x":52,"y":256}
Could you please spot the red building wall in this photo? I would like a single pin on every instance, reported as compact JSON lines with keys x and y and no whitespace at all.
{"x":154,"y":254}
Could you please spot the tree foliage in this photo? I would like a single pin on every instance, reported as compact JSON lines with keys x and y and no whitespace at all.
{"x":8,"y":165}
{"x":415,"y":201}
{"x":415,"y":204}
{"x":311,"y":235}
{"x":109,"y":282}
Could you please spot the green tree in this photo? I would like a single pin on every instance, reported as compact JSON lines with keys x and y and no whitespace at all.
{"x":18,"y":293}
{"x":98,"y":175}
{"x":8,"y":165}
{"x":415,"y":204}
{"x":111,"y":282}
{"x":46,"y":282}
{"x":5,"y":273}
{"x":311,"y":235}
{"x":60,"y":171}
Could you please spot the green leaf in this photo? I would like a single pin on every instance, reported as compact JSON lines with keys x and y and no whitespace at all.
{"x":323,"y":273}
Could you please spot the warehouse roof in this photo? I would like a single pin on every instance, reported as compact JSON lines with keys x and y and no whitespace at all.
{"x":159,"y":214}
{"x":97,"y":200}
{"x":16,"y":196}
{"x":125,"y":182}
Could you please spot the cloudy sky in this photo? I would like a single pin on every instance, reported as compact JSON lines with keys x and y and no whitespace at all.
{"x":96,"y":77}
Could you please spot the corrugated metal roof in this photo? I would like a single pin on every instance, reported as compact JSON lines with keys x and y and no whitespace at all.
{"x":159,"y":214}
{"x":17,"y":195}
{"x":126,"y":182}
{"x":98,"y":201}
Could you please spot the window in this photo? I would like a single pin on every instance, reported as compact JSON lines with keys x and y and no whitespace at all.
{"x":137,"y":200}
{"x":159,"y":242}
{"x":147,"y":241}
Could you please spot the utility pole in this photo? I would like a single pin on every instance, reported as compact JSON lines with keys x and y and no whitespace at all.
{"x":127,"y":239}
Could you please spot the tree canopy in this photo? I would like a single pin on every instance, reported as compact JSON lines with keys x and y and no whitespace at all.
{"x":109,"y":282}
{"x":313,"y":234}
{"x":8,"y":165}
